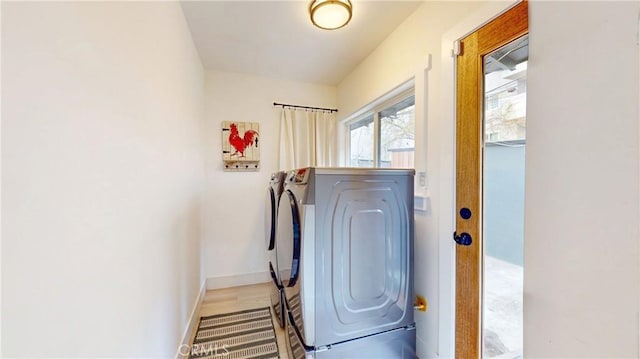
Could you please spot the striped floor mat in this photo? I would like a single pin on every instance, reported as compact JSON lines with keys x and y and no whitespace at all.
{"x":240,"y":335}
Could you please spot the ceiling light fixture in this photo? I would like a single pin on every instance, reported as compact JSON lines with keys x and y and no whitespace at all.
{"x":330,"y":14}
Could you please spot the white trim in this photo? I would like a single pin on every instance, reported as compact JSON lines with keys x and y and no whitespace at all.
{"x":401,"y":92}
{"x":237,"y":280}
{"x":185,"y":343}
{"x":209,"y":284}
{"x":393,"y":93}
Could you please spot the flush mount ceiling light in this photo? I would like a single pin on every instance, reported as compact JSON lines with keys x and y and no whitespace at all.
{"x":330,"y":14}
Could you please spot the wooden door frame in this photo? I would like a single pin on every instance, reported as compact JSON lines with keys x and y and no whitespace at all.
{"x":507,"y":27}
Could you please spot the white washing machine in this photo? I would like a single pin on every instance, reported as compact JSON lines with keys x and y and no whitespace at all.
{"x":345,"y":258}
{"x":274,"y":190}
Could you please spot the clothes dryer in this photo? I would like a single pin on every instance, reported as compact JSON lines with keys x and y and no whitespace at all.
{"x":345,"y":259}
{"x":274,"y":190}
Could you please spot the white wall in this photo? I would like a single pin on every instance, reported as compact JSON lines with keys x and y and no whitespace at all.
{"x":235,"y":249}
{"x":581,"y":243}
{"x":102,"y":170}
{"x":404,"y":55}
{"x":582,"y":198}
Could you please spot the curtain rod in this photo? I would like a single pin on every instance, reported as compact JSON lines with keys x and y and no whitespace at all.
{"x":306,"y":107}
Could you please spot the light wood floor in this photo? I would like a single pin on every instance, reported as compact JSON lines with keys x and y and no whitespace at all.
{"x":229,"y":300}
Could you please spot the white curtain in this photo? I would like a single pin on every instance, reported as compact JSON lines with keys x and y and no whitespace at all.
{"x":307,"y":138}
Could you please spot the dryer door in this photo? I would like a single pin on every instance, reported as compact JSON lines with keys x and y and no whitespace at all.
{"x":288,"y":237}
{"x":270,"y":219}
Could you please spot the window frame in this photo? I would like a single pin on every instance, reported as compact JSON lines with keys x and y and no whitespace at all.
{"x":373,"y":110}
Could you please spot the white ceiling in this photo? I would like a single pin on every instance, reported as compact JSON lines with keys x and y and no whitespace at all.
{"x":277,"y":39}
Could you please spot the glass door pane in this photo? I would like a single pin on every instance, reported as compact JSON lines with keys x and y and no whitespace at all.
{"x":505,"y":87}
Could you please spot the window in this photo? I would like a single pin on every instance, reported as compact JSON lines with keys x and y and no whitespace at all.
{"x":384,"y":136}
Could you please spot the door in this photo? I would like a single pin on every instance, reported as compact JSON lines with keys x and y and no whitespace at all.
{"x":270,"y":218}
{"x":288,"y":239}
{"x":270,"y":232}
{"x":274,"y":190}
{"x":288,"y":248}
{"x":273,"y":197}
{"x":477,"y":51}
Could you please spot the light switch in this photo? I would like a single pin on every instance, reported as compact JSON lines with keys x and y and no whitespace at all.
{"x":422,"y":179}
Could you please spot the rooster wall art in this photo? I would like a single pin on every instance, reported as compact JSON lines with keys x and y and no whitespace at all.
{"x":240,"y":145}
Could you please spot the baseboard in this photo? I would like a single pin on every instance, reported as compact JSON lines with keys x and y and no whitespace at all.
{"x":185,"y":344}
{"x":237,"y":280}
{"x":184,"y":347}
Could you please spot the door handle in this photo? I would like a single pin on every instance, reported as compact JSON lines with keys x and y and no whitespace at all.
{"x":463,"y":239}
